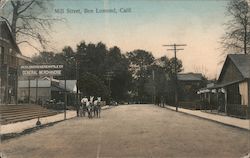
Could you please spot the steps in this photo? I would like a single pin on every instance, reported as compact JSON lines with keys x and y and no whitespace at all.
{"x":23,"y":112}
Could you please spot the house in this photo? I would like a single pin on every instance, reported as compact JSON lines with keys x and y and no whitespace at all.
{"x":10,"y":59}
{"x":232,"y":87}
{"x":188,"y":85}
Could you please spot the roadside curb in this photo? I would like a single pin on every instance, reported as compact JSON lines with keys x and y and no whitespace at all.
{"x":222,"y":123}
{"x":7,"y":136}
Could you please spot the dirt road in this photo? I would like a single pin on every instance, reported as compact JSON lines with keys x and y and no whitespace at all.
{"x":131,"y":131}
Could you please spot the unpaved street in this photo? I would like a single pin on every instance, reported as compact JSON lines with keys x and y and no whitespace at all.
{"x":131,"y":131}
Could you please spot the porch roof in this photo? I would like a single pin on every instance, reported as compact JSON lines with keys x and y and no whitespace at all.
{"x":216,"y":86}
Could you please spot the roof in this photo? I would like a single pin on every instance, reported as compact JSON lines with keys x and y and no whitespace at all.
{"x":190,"y":77}
{"x":242,"y":62}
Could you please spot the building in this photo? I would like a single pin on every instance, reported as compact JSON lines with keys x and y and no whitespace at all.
{"x":10,"y":59}
{"x":188,"y":85}
{"x":232,"y":88}
{"x":45,"y":89}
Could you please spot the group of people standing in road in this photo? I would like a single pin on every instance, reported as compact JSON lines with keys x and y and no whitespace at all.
{"x":91,"y":107}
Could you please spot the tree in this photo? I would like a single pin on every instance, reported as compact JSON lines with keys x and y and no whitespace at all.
{"x":237,"y":36}
{"x":91,"y":57}
{"x":164,"y":77}
{"x":44,"y":58}
{"x":140,"y":63}
{"x":118,"y":64}
{"x":139,"y":60}
{"x":30,"y":21}
{"x":98,"y":60}
{"x":91,"y":85}
{"x":67,"y":58}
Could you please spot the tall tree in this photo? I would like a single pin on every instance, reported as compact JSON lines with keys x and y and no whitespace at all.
{"x":118,"y":64}
{"x":163,"y":79}
{"x":97,"y":60}
{"x":140,"y":63}
{"x":30,"y":21}
{"x":91,"y":85}
{"x":237,"y":36}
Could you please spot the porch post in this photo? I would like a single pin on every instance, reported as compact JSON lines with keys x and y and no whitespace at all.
{"x":29,"y":89}
{"x":225,"y":100}
{"x":217,"y":100}
{"x":209,"y":100}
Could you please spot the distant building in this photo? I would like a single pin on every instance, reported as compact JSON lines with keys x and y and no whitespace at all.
{"x":10,"y":59}
{"x":188,"y":85}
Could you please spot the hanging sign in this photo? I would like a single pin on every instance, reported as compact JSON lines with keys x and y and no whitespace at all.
{"x":41,"y":70}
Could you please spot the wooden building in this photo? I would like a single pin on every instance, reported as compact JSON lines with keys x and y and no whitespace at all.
{"x":232,"y":88}
{"x":188,"y":85}
{"x":45,"y":89}
{"x":10,"y":59}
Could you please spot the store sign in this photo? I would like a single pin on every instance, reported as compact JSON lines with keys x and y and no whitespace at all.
{"x":41,"y":70}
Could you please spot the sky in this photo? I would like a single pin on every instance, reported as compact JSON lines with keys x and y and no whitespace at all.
{"x":147,"y":25}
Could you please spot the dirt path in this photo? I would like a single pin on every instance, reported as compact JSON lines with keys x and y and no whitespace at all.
{"x":132,"y":131}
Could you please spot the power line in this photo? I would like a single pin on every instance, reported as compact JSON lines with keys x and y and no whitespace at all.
{"x":174,"y":48}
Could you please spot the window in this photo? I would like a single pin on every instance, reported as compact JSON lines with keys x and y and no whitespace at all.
{"x":1,"y":55}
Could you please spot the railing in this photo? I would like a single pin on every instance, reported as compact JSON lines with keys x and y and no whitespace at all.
{"x":189,"y":105}
{"x":204,"y":105}
{"x":237,"y":110}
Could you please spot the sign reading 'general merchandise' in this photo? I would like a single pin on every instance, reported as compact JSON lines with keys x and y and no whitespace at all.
{"x":41,"y":70}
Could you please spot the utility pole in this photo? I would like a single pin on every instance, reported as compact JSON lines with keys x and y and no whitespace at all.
{"x":77,"y":82}
{"x":174,"y":48}
{"x":109,"y":76}
{"x":153,"y":76}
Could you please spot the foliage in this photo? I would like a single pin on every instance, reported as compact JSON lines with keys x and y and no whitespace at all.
{"x":111,"y":74}
{"x":30,"y":21}
{"x":237,"y":36}
{"x":91,"y":85}
{"x":94,"y":59}
{"x":151,"y":77}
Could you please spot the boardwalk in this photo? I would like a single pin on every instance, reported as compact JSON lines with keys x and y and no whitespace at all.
{"x":132,"y":131}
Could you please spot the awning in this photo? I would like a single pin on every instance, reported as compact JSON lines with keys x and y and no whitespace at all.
{"x":224,"y":84}
{"x":217,"y":87}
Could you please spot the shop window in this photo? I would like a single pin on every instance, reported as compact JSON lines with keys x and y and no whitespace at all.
{"x":1,"y":55}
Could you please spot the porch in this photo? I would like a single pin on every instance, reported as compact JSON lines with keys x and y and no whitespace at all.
{"x":229,"y":99}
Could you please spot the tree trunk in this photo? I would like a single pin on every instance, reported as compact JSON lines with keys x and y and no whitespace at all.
{"x":245,"y":39}
{"x":14,"y":20}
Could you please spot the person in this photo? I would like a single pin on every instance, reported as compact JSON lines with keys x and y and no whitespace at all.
{"x":77,"y":109}
{"x":84,"y":102}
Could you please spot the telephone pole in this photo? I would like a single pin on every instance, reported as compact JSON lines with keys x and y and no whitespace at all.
{"x":109,"y":76}
{"x":175,"y":49}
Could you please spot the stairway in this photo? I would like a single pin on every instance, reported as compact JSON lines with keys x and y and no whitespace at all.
{"x":22,"y":112}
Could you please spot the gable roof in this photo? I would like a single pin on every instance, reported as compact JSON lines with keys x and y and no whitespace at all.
{"x":5,"y":32}
{"x":241,"y":62}
{"x":190,"y":77}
